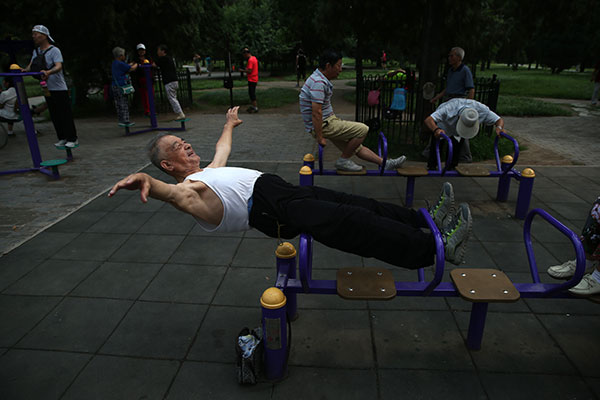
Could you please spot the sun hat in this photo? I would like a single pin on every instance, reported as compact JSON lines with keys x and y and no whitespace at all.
{"x":140,"y":46}
{"x":468,"y":123}
{"x":43,"y":30}
{"x":428,"y":91}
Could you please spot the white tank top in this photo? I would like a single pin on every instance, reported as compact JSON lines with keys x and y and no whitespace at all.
{"x":234,"y":187}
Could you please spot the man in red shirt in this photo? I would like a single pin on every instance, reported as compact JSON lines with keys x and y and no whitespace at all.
{"x":251,"y":71}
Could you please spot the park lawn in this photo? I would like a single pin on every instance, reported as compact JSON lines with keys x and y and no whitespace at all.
{"x":267,"y":98}
{"x":516,"y":106}
{"x":202,"y":84}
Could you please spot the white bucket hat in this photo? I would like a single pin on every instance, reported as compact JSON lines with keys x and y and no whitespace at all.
{"x":428,"y":91}
{"x":140,"y":46}
{"x":43,"y":30}
{"x":468,"y":123}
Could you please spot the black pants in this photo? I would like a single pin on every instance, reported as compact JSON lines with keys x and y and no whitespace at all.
{"x":252,"y":90}
{"x":456,"y":149}
{"x":59,"y":106}
{"x":353,"y":224}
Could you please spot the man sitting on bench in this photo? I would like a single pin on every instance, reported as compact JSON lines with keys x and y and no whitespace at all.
{"x":227,"y":199}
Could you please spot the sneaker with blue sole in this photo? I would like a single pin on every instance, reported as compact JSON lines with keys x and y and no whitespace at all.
{"x":444,"y":206}
{"x":456,"y":234}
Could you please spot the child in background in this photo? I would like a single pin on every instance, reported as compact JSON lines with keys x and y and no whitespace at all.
{"x":8,"y":101}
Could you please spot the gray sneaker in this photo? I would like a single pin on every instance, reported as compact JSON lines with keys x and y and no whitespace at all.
{"x":346,"y":164}
{"x":567,"y":269}
{"x":444,"y":206}
{"x":456,"y":234}
{"x":395,"y":163}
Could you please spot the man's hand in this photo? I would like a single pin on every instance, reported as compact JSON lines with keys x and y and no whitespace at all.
{"x":232,"y":117}
{"x":45,"y":74}
{"x":438,"y":132}
{"x":499,"y":130}
{"x":321,"y":140}
{"x":139,"y":181}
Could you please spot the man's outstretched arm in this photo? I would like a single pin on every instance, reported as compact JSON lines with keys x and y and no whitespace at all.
{"x":148,"y":186}
{"x":223,"y":146}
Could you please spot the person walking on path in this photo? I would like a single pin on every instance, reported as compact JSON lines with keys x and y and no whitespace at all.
{"x":251,"y":71}
{"x":121,"y":84}
{"x":142,"y":86}
{"x":48,"y":60}
{"x":322,"y":124}
{"x":596,"y":80}
{"x":169,"y":78}
{"x":300,"y":67}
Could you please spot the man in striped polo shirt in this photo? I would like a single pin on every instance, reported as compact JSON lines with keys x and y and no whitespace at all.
{"x":321,"y":122}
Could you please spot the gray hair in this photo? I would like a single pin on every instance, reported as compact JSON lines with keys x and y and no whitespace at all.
{"x":459,"y":52}
{"x":118,"y":52}
{"x":155,"y":153}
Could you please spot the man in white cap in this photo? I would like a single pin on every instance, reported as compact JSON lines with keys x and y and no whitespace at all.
{"x":48,"y":60}
{"x":460,"y":119}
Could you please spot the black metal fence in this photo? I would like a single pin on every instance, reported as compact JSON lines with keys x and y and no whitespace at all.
{"x":404,"y":127}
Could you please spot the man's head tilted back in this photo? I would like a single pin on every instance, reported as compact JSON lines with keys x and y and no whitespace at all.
{"x":173,"y":155}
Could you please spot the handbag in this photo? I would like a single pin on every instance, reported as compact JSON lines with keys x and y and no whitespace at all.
{"x":373,"y":98}
{"x":127,"y":89}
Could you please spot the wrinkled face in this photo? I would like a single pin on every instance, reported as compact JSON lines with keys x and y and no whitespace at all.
{"x":332,"y":71}
{"x":453,"y":58}
{"x":38,"y":38}
{"x":179,"y":155}
{"x":141,"y":52}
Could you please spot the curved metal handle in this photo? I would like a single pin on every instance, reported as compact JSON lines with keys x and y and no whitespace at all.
{"x":305,"y":261}
{"x":320,"y":171}
{"x":516,"y":148}
{"x":579,"y":253}
{"x":437,"y":152}
{"x":20,"y":73}
{"x":382,"y":149}
{"x":439,"y":253}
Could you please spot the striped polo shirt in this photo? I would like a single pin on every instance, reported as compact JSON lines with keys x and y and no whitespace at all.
{"x":316,"y":89}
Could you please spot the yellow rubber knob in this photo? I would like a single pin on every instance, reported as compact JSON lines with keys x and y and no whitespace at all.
{"x":14,"y":66}
{"x":285,"y":250}
{"x":528,"y":173}
{"x":273,"y":298}
{"x":146,"y":61}
{"x":507,"y":159}
{"x":309,"y":157}
{"x":305,"y":170}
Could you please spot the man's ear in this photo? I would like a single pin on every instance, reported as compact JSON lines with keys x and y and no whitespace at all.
{"x":166,"y":165}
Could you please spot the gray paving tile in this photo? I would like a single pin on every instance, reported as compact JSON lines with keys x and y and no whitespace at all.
{"x":198,"y":231}
{"x":332,"y":338}
{"x":326,"y":383}
{"x":219,"y":331}
{"x":218,"y":383}
{"x":134,"y":204}
{"x":497,"y":229}
{"x":163,"y":223}
{"x":566,"y":307}
{"x":569,"y":210}
{"x":546,"y":234}
{"x":517,"y":343}
{"x":105,"y":203}
{"x":107,"y":377}
{"x":199,"y":250}
{"x":20,"y":314}
{"x":244,"y":286}
{"x":527,"y":386}
{"x":185,"y":284}
{"x":257,"y":253}
{"x":77,"y":325}
{"x":53,"y":278}
{"x":476,"y":256}
{"x":78,"y":221}
{"x":118,"y":280}
{"x":408,"y":339}
{"x":91,"y":246}
{"x":572,"y":335}
{"x":377,"y":187}
{"x":327,"y":258}
{"x":512,"y":257}
{"x":42,"y":246}
{"x":156,"y":330}
{"x":13,"y":267}
{"x":430,"y":384}
{"x":32,"y":374}
{"x":561,"y":195}
{"x":120,"y":222}
{"x":147,"y":248}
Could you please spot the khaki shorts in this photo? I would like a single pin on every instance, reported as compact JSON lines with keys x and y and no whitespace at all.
{"x":340,"y":132}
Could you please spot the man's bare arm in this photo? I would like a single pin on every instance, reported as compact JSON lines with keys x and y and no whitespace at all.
{"x":317,"y":120}
{"x":147,"y":185}
{"x":223,"y":146}
{"x":471,"y":94}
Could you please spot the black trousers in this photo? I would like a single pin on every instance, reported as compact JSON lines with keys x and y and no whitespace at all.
{"x":252,"y":90}
{"x":349,"y":223}
{"x":59,"y":105}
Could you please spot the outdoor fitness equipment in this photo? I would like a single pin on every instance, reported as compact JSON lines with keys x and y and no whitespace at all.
{"x":478,"y":286}
{"x":48,"y":167}
{"x":153,"y":121}
{"x":504,"y":172}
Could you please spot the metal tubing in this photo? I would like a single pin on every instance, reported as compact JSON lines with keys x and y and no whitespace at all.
{"x":476,"y":325}
{"x":382,"y":148}
{"x":410,"y":191}
{"x":524,"y":196}
{"x":274,"y":325}
{"x":150,"y":89}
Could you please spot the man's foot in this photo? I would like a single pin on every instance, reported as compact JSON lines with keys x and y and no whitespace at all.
{"x":61,"y":142}
{"x":567,"y":269}
{"x":587,"y":287}
{"x":395,"y":163}
{"x":456,"y":234}
{"x":11,"y":133}
{"x":72,"y":144}
{"x":444,"y":206}
{"x":346,"y":164}
{"x":252,"y":109}
{"x":181,"y":115}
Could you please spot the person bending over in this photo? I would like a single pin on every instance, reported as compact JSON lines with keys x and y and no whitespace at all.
{"x":227,"y":199}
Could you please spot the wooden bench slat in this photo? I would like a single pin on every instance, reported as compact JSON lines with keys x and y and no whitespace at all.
{"x":365,"y":284}
{"x":484,"y":285}
{"x":472,"y":170}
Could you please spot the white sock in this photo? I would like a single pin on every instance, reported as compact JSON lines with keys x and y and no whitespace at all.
{"x":596,"y":275}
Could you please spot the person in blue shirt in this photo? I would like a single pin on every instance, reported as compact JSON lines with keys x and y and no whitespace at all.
{"x":120,"y":78}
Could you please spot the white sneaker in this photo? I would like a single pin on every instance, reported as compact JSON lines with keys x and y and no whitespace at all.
{"x":567,"y":269}
{"x":346,"y":164}
{"x":587,"y":287}
{"x":72,"y":144}
{"x":395,"y":163}
{"x":180,"y":116}
{"x":61,"y":142}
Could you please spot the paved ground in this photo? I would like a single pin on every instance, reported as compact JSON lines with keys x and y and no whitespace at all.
{"x":113,"y":299}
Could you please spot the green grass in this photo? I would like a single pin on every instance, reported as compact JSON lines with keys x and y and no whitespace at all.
{"x":516,"y":106}
{"x":541,"y":83}
{"x":267,"y":98}
{"x":32,"y":87}
{"x":202,"y":84}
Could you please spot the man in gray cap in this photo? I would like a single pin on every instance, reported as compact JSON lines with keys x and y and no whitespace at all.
{"x":48,"y":60}
{"x":459,"y":119}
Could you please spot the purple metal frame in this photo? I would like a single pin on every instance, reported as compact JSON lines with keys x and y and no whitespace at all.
{"x":34,"y":148}
{"x":153,"y":121}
